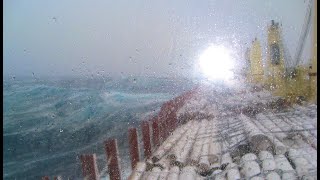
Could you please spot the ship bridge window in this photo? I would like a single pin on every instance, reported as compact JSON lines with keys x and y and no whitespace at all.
{"x":275,"y":54}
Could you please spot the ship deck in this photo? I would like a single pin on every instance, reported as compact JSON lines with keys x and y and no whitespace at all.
{"x":236,"y":134}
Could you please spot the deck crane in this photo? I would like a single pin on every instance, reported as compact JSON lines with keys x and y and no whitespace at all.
{"x":291,"y":64}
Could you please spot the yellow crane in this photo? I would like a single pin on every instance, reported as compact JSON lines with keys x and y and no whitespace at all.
{"x":283,"y":75}
{"x":255,"y":69}
{"x":275,"y":65}
{"x":313,"y":70}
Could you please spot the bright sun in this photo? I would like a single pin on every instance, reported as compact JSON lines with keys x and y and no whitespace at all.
{"x":216,"y":63}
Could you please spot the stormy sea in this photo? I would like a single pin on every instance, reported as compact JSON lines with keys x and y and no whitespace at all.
{"x":49,"y":122}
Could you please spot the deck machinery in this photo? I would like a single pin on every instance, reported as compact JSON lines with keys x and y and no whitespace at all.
{"x":282,"y":75}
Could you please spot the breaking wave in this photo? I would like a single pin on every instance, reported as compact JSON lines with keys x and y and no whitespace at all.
{"x":48,"y":124}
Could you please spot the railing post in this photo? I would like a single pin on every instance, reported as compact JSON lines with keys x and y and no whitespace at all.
{"x":89,"y":166}
{"x":167,"y":126}
{"x":155,"y":133}
{"x":133,"y":146}
{"x":112,"y":153}
{"x":171,"y":122}
{"x":162,"y":129}
{"x":146,"y":138}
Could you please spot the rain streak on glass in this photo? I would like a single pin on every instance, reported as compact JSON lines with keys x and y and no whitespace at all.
{"x":160,"y":89}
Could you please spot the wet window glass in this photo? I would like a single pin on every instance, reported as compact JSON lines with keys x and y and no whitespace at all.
{"x":136,"y":89}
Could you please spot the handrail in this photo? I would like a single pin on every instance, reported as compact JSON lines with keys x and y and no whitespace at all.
{"x":161,"y":126}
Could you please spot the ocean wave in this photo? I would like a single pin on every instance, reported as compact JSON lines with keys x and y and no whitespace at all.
{"x":116,"y":98}
{"x":47,"y":125}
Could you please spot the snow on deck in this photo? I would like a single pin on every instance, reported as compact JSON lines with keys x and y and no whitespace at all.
{"x":237,"y":135}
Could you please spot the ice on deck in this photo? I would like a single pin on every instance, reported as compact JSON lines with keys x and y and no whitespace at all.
{"x":237,"y":135}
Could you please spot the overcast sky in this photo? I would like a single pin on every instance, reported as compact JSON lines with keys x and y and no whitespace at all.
{"x":136,"y":37}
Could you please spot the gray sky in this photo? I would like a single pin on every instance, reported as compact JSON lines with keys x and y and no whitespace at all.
{"x":136,"y":37}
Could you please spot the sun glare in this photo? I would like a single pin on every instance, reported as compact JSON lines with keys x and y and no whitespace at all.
{"x":216,"y":63}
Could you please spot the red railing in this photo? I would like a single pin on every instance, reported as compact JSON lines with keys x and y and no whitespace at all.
{"x":133,"y":146}
{"x":161,"y":126}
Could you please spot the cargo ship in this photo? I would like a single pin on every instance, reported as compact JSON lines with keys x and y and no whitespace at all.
{"x":264,"y":128}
